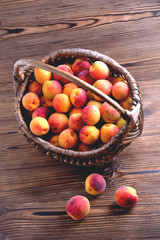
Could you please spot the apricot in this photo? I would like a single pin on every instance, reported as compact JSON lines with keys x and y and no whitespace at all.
{"x":91,"y":115}
{"x":78,"y":97}
{"x":39,"y":126}
{"x":58,"y":122}
{"x":120,"y":91}
{"x":89,"y":134}
{"x":30,"y":101}
{"x":65,"y":68}
{"x":75,"y":121}
{"x":80,"y":65}
{"x":120,"y":123}
{"x":78,"y":207}
{"x":118,"y":79}
{"x":103,"y":85}
{"x":68,"y":138}
{"x":108,"y":131}
{"x":62,"y":103}
{"x":35,"y":87}
{"x":95,"y":184}
{"x":42,"y":75}
{"x":83,"y":147}
{"x":99,"y":70}
{"x":127,"y":103}
{"x":75,"y":110}
{"x":95,"y":103}
{"x":68,"y":88}
{"x":46,"y":102}
{"x":126,"y":196}
{"x":51,"y":88}
{"x":108,"y":113}
{"x":41,"y":112}
{"x":85,"y":76}
{"x":54,"y":140}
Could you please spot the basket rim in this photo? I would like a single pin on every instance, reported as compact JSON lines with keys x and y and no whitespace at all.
{"x":70,"y":152}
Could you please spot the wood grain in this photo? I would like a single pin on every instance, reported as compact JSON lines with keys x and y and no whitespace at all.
{"x":35,"y":188}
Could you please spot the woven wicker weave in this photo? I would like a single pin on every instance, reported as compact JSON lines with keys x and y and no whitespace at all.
{"x":103,"y":155}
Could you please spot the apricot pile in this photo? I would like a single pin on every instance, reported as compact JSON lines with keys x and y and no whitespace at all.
{"x":73,"y":117}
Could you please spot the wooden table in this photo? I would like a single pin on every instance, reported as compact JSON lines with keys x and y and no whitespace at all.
{"x":34,"y":189}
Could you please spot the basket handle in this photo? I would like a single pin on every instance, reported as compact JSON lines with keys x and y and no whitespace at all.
{"x":19,"y":77}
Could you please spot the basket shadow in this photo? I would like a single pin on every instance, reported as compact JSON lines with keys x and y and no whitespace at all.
{"x":105,"y":170}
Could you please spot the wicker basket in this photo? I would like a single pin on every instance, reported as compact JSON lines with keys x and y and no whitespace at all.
{"x":104,"y":155}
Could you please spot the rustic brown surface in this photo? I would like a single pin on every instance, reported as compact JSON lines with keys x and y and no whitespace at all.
{"x":33,"y":188}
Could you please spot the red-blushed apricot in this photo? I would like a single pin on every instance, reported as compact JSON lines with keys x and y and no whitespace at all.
{"x":99,"y":70}
{"x":46,"y":102}
{"x":120,"y":91}
{"x":108,"y":113}
{"x":78,"y":97}
{"x":83,"y":147}
{"x":68,"y":88}
{"x":85,"y":76}
{"x":103,"y":85}
{"x":95,"y":103}
{"x":62,"y":103}
{"x":95,"y":184}
{"x":75,"y":122}
{"x":68,"y":138}
{"x":30,"y":101}
{"x":120,"y":123}
{"x":80,"y":65}
{"x":51,"y":88}
{"x":39,"y":126}
{"x":35,"y":87}
{"x":91,"y":115}
{"x":108,"y":131}
{"x":78,"y":207}
{"x":58,"y":122}
{"x":89,"y":134}
{"x":54,"y":140}
{"x":75,"y":110}
{"x":65,"y":68}
{"x":42,"y":75}
{"x":127,"y":103}
{"x":126,"y":196}
{"x":41,"y":112}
